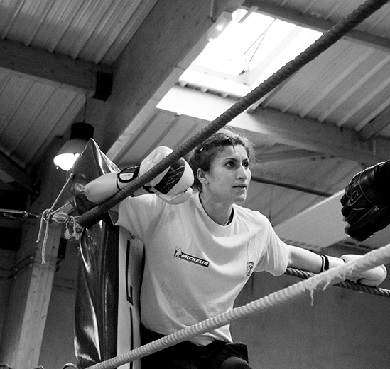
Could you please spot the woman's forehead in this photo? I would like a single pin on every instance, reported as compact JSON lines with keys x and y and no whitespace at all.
{"x":236,"y":151}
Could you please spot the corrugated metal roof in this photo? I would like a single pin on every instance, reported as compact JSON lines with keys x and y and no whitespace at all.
{"x":33,"y":112}
{"x":93,"y":30}
{"x":348,"y":86}
{"x":334,"y":10}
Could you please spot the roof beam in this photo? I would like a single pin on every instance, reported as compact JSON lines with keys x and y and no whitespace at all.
{"x":15,"y":173}
{"x":270,"y":125}
{"x":287,"y":155}
{"x":292,"y":15}
{"x":62,"y":70}
{"x":376,"y":125}
{"x":290,"y":186}
{"x":311,"y":135}
{"x":169,"y":39}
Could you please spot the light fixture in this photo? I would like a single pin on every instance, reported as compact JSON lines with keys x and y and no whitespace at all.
{"x":80,"y":133}
{"x":219,"y":26}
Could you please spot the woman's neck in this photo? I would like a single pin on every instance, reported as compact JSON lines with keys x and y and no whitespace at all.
{"x":220,"y":213}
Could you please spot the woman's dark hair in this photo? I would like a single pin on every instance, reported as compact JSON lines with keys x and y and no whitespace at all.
{"x":202,"y":156}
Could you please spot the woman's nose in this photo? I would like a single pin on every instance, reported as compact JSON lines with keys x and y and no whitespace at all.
{"x":242,"y":172}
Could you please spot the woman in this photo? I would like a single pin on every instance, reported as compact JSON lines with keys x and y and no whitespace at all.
{"x":200,"y":253}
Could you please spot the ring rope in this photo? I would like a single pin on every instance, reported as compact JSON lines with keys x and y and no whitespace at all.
{"x":367,"y":261}
{"x":314,"y":50}
{"x":45,"y":221}
{"x":344,"y":284}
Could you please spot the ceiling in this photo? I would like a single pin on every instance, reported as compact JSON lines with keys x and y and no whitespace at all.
{"x":117,"y":64}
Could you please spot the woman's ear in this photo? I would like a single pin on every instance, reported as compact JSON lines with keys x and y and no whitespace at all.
{"x":201,"y":175}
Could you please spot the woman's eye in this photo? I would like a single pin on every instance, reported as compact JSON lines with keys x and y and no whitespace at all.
{"x":232,"y":164}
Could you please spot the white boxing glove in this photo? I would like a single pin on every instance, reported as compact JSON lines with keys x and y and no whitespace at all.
{"x":371,"y":277}
{"x":173,"y":185}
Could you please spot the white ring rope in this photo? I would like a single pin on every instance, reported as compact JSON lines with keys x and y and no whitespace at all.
{"x":331,"y":276}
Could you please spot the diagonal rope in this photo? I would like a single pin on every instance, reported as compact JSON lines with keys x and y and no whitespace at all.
{"x":331,"y":276}
{"x":344,"y":284}
{"x":325,"y":41}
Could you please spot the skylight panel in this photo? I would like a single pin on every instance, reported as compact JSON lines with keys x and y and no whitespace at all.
{"x":249,"y":49}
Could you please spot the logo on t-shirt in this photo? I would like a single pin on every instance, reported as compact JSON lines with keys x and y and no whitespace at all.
{"x":249,"y":268}
{"x":192,"y":259}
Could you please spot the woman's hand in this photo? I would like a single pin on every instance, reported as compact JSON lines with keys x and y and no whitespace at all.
{"x":371,"y":277}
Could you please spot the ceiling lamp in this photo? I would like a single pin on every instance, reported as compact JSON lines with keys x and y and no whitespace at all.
{"x":80,"y":133}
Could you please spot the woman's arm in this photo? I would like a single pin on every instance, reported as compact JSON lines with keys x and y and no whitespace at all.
{"x":101,"y":188}
{"x":172,"y":185}
{"x":309,"y":261}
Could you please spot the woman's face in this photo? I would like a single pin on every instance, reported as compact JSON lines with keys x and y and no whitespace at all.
{"x":229,"y":175}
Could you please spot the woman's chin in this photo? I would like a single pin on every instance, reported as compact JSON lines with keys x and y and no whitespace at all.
{"x":240,"y":198}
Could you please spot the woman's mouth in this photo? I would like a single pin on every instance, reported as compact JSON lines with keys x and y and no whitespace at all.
{"x":242,"y":187}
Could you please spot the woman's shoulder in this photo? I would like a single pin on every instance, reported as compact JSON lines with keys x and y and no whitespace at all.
{"x":144,"y":202}
{"x":253,"y":216}
{"x":155,"y":201}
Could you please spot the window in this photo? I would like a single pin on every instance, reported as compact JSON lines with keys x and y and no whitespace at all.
{"x":244,"y":49}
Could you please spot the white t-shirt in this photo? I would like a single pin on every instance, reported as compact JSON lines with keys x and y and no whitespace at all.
{"x":194,"y":267}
